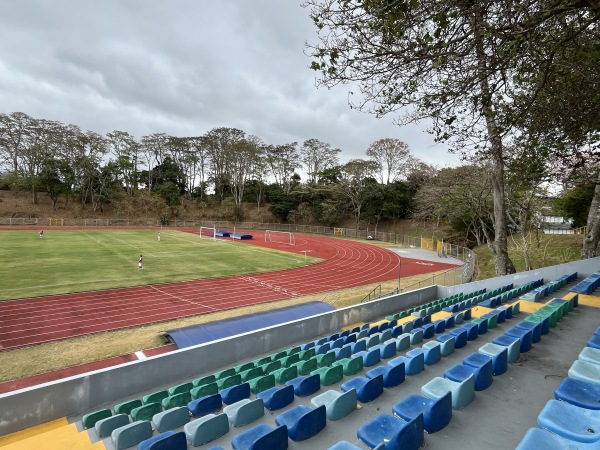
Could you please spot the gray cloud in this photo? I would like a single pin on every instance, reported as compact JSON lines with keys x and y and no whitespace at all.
{"x":182,"y":67}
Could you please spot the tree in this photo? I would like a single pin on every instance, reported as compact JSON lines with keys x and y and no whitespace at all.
{"x":219,"y":143}
{"x":393,"y":157}
{"x":154,"y":149}
{"x":317,"y":157}
{"x":15,"y":131}
{"x":358,"y":185}
{"x":283,"y":161}
{"x":242,"y":158}
{"x":125,"y":149}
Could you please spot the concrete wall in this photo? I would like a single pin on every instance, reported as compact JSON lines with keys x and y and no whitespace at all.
{"x":85,"y":393}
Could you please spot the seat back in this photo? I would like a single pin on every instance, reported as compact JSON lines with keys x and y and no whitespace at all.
{"x":372,"y":389}
{"x":235,"y":393}
{"x":309,"y":424}
{"x":248,"y":412}
{"x":343,"y":405}
{"x":278,"y":438}
{"x":165,"y":441}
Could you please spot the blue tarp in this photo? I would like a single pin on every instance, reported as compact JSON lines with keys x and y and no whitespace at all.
{"x":206,"y":332}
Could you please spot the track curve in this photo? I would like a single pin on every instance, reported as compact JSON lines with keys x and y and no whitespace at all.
{"x":345,"y":264}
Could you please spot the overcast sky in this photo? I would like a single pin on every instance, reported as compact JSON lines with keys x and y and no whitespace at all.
{"x":182,"y":67}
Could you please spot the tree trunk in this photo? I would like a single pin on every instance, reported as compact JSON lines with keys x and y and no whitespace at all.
{"x":591,"y":241}
{"x":502,"y":261}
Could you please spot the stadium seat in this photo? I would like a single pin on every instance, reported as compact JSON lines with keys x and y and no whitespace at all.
{"x":306,"y":367}
{"x":472,"y":330}
{"x":341,"y":353}
{"x":206,"y":429}
{"x":89,"y":420}
{"x":433,"y":352}
{"x":403,"y":342}
{"x":204,"y":380}
{"x":285,"y":374}
{"x":396,"y":433}
{"x":460,"y":372}
{"x":131,"y":434}
{"x":277,"y":397}
{"x":262,"y":383}
{"x":205,"y":405}
{"x":302,"y":422}
{"x":536,"y":329}
{"x":344,"y":445}
{"x":460,"y":337}
{"x":578,"y":393}
{"x":337,"y":404}
{"x":145,"y":412}
{"x":104,"y":427}
{"x":370,"y":357}
{"x":127,"y":407}
{"x":386,"y":350}
{"x":428,"y":330}
{"x":436,"y":412}
{"x":499,"y":355}
{"x":526,"y":337}
{"x":155,"y":397}
{"x":536,"y":439}
{"x":446,"y":344}
{"x":393,"y":374}
{"x":261,"y":437}
{"x":416,"y":336}
{"x":181,"y":388}
{"x":226,"y":382}
{"x":204,"y":390}
{"x":329,"y":375}
{"x":235,"y":393}
{"x":367,"y":389}
{"x":169,"y":440}
{"x":414,"y":361}
{"x":350,"y":366}
{"x":171,"y":419}
{"x":176,"y":400}
{"x":589,"y":354}
{"x":570,"y":421}
{"x":462,"y":392}
{"x":305,"y":385}
{"x":245,"y":411}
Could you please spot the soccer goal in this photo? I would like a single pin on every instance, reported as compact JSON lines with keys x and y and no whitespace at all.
{"x":280,"y":237}
{"x":208,"y":232}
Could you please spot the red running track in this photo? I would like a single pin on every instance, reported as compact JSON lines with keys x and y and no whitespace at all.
{"x":345,"y":264}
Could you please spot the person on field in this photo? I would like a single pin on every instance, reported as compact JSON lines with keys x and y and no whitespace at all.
{"x":140,"y":266}
{"x":41,"y":234}
{"x":158,"y":236}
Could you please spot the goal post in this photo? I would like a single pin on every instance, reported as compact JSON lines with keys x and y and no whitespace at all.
{"x":280,"y":237}
{"x":208,"y":233}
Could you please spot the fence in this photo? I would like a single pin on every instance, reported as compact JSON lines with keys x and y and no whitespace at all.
{"x":459,"y":275}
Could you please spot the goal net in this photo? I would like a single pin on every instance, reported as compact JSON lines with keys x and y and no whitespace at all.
{"x":280,"y":237}
{"x":208,"y":232}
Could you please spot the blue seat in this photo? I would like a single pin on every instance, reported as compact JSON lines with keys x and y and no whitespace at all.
{"x":407,"y":327}
{"x":386,"y":350}
{"x":337,"y":404}
{"x":245,"y":411}
{"x":205,"y":405}
{"x":131,"y":434}
{"x":578,"y":393}
{"x":449,"y":322}
{"x":261,"y":437}
{"x":171,"y":419}
{"x":393,"y":374}
{"x":344,"y":445}
{"x":323,"y":348}
{"x":436,"y":412}
{"x":499,"y":355}
{"x":403,"y":342}
{"x":206,"y":429}
{"x":472,"y":330}
{"x":460,"y":372}
{"x":414,"y":361}
{"x":439,"y":326}
{"x":370,"y":357}
{"x":235,"y":393}
{"x":367,"y":389}
{"x":395,"y":432}
{"x":416,"y":336}
{"x":417,"y":323}
{"x":536,"y":329}
{"x":277,"y":397}
{"x":303,"y":422}
{"x":373,"y":340}
{"x":169,"y":440}
{"x":104,"y":427}
{"x":359,"y":346}
{"x":484,"y":366}
{"x":593,"y":342}
{"x":513,"y":345}
{"x":344,"y":352}
{"x":447,"y":342}
{"x":526,"y":337}
{"x":570,"y":421}
{"x":428,"y":330}
{"x":536,"y":439}
{"x":460,"y":336}
{"x":397,"y":330}
{"x":305,"y":385}
{"x":433,"y":352}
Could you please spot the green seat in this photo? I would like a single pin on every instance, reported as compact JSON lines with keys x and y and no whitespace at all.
{"x":262,"y":383}
{"x":229,"y":381}
{"x":155,"y":397}
{"x":243,"y":367}
{"x":173,"y":401}
{"x":350,"y":366}
{"x":204,"y":390}
{"x":180,"y":388}
{"x":270,"y":367}
{"x":146,"y":412}
{"x":204,"y":380}
{"x":551,"y":313}
{"x":263,"y":361}
{"x":89,"y":420}
{"x":287,"y":361}
{"x":326,"y":359}
{"x":306,"y":367}
{"x":293,"y":350}
{"x":329,"y":375}
{"x":225,"y":373}
{"x":285,"y":374}
{"x":305,"y":355}
{"x":126,"y":407}
{"x":279,"y":355}
{"x":251,"y":374}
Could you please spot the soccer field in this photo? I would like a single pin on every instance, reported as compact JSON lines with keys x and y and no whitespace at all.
{"x":85,"y":260}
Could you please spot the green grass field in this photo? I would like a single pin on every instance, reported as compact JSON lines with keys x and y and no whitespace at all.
{"x":75,"y":261}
